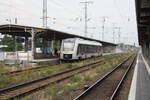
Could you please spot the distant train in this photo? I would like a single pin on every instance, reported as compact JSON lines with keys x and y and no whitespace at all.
{"x":77,"y":48}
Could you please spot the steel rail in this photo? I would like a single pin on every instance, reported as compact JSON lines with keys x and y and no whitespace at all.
{"x":30,"y":69}
{"x":83,"y":94}
{"x":121,"y":82}
{"x":21,"y":85}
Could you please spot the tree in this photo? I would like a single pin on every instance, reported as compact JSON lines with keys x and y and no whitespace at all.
{"x":10,"y":42}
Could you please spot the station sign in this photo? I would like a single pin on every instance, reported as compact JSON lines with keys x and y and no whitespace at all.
{"x":24,"y":55}
{"x":11,"y":55}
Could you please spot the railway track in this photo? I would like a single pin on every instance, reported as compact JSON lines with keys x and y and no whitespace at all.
{"x":21,"y":71}
{"x":17,"y":72}
{"x":108,"y":86}
{"x":29,"y":87}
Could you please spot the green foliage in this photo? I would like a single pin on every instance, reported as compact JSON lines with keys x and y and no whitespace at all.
{"x":57,"y":91}
{"x":109,"y":62}
{"x":76,"y":78}
{"x":10,"y":42}
{"x":69,"y":65}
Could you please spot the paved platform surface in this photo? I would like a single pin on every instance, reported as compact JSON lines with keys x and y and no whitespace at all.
{"x":44,"y":60}
{"x":52,"y":61}
{"x":140,"y":87}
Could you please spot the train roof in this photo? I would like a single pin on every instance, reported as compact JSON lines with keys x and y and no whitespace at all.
{"x":82,"y":41}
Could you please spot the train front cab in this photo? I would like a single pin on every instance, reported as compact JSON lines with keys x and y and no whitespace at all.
{"x":68,"y":50}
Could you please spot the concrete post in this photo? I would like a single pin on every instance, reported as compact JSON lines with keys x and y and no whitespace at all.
{"x":49,"y":51}
{"x":144,"y":49}
{"x":149,"y":48}
{"x":14,"y":38}
{"x":44,"y":46}
{"x":52,"y":47}
{"x":33,"y":43}
{"x":26,"y":44}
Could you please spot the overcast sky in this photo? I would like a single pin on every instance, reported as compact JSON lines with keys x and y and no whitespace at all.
{"x":69,"y":16}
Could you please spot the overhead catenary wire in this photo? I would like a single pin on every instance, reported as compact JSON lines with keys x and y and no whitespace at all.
{"x":56,"y":3}
{"x":86,"y":15}
{"x":33,"y":14}
{"x":119,"y":12}
{"x":71,"y":11}
{"x":126,"y":15}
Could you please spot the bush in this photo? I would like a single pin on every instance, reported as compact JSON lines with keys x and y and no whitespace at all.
{"x":76,"y":78}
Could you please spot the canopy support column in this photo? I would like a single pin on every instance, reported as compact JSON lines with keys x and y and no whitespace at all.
{"x":33,"y":43}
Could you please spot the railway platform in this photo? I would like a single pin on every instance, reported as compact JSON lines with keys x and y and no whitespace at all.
{"x":51,"y":61}
{"x":140,"y":87}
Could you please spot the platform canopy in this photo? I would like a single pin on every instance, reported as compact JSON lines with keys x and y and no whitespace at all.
{"x":25,"y":31}
{"x":143,"y":19}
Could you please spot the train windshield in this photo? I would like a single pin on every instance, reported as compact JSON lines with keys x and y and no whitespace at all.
{"x":68,"y":45}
